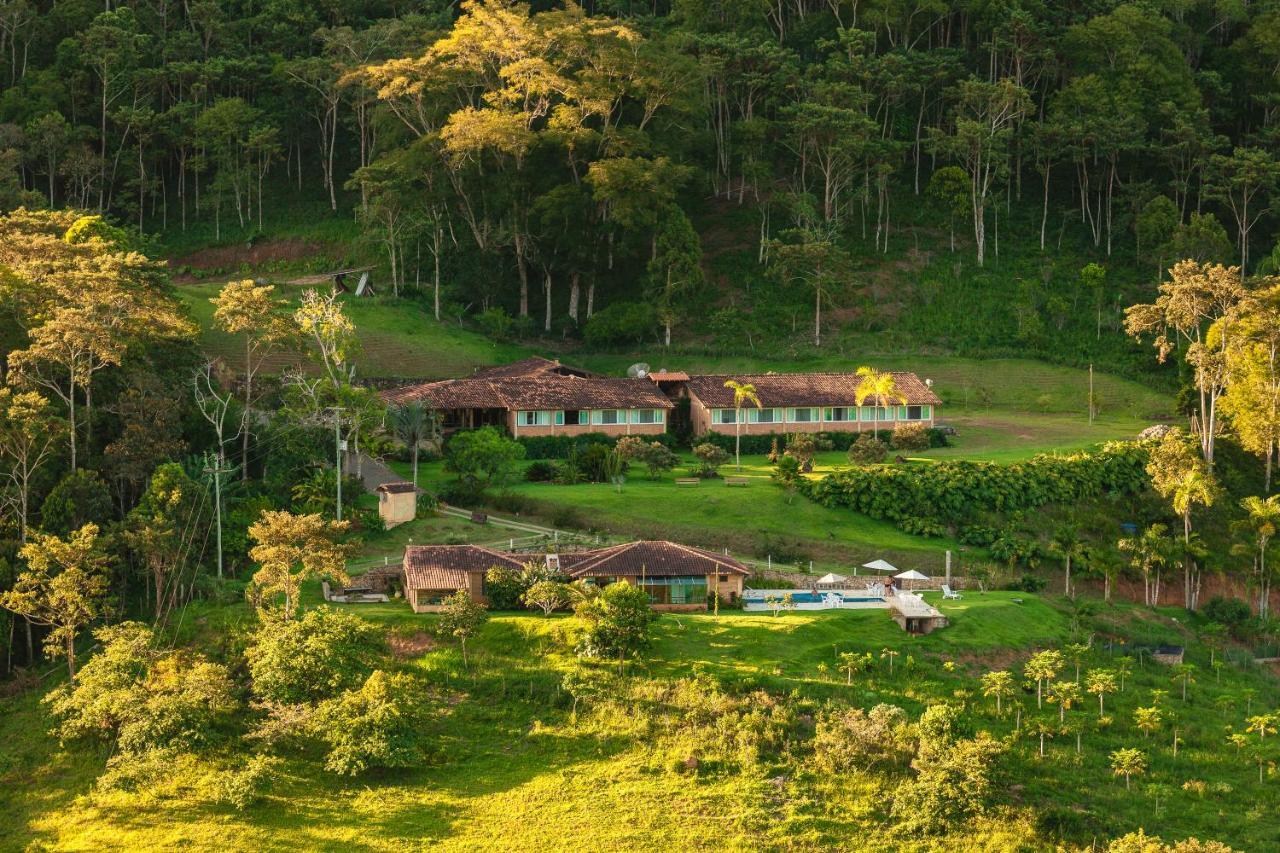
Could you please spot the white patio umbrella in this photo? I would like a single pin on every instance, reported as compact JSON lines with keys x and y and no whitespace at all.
{"x":911,"y":575}
{"x":880,"y":566}
{"x":831,"y":578}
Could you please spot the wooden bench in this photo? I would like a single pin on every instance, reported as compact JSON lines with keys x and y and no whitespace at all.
{"x":687,"y":481}
{"x":736,"y":481}
{"x":479,"y":518}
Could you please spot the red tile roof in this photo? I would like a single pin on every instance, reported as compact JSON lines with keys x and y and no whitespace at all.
{"x":804,"y":389}
{"x":535,"y":391}
{"x":653,"y":558}
{"x":447,"y":566}
{"x":669,"y":376}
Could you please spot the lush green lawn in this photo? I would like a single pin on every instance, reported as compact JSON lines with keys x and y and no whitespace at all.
{"x":967,"y":386}
{"x":513,"y":770}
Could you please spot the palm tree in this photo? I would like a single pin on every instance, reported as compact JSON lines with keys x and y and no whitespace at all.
{"x":882,"y":388}
{"x":1196,"y":488}
{"x":1149,"y":553}
{"x":1264,"y":520}
{"x":1066,"y":545}
{"x":743,"y":392}
{"x":413,"y":423}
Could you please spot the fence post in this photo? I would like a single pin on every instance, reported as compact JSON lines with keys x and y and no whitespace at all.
{"x":769,"y":561}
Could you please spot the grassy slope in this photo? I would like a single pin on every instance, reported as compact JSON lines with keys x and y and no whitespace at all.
{"x":397,"y":338}
{"x":513,"y":771}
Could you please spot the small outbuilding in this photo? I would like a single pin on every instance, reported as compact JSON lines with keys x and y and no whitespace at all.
{"x":913,"y":615}
{"x":397,"y":503}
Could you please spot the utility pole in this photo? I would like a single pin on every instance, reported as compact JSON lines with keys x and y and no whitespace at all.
{"x":337,"y":453}
{"x":217,"y":471}
{"x":1091,"y":394}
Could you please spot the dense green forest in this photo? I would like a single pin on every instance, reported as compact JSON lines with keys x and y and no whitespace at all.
{"x":733,"y":173}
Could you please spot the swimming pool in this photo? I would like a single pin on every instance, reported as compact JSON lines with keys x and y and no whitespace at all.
{"x":799,"y":597}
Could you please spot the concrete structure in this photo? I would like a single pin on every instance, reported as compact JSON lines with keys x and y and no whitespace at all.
{"x":913,"y":615}
{"x":397,"y":503}
{"x":537,"y":396}
{"x":677,"y":577}
{"x":805,"y":402}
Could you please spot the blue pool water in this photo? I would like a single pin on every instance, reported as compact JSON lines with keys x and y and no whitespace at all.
{"x":809,"y":598}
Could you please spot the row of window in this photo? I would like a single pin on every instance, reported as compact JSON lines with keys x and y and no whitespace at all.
{"x":594,"y":417}
{"x":813,"y":414}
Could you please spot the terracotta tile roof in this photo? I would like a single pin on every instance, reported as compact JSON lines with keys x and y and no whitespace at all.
{"x":575,"y":392}
{"x":669,"y":376}
{"x":804,"y":389}
{"x":537,"y":390}
{"x":532,"y":366}
{"x":650,"y":558}
{"x":447,"y":566}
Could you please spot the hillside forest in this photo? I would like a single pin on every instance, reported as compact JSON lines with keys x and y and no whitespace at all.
{"x":728,"y":174}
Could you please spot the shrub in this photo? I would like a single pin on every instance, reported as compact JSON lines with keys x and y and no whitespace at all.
{"x":950,"y":787}
{"x":378,"y":725}
{"x":802,"y":446}
{"x":1231,"y":612}
{"x":1027,"y":583}
{"x":561,"y":446}
{"x":922,"y":526}
{"x":541,"y":472}
{"x":142,"y":698}
{"x":482,"y":458}
{"x":657,"y":457}
{"x":867,"y":450}
{"x":621,"y":323}
{"x":710,"y":458}
{"x":852,"y":739}
{"x":495,"y":323}
{"x":911,"y":436}
{"x":617,"y":622}
{"x":594,"y":462}
{"x":504,"y":586}
{"x":312,"y":658}
{"x":956,"y":492}
{"x":241,"y":788}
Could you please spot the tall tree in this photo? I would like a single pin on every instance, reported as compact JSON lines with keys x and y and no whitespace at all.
{"x":982,"y":126}
{"x":63,"y":588}
{"x":1244,"y":181}
{"x":1184,"y":479}
{"x":1195,"y":296}
{"x":291,"y":550}
{"x":251,"y":310}
{"x":743,"y":393}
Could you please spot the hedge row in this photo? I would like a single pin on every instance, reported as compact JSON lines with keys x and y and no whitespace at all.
{"x":558,"y":446}
{"x":950,"y":492}
{"x":760,"y":444}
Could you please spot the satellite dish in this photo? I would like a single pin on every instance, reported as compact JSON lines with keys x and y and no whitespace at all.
{"x":639,"y":370}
